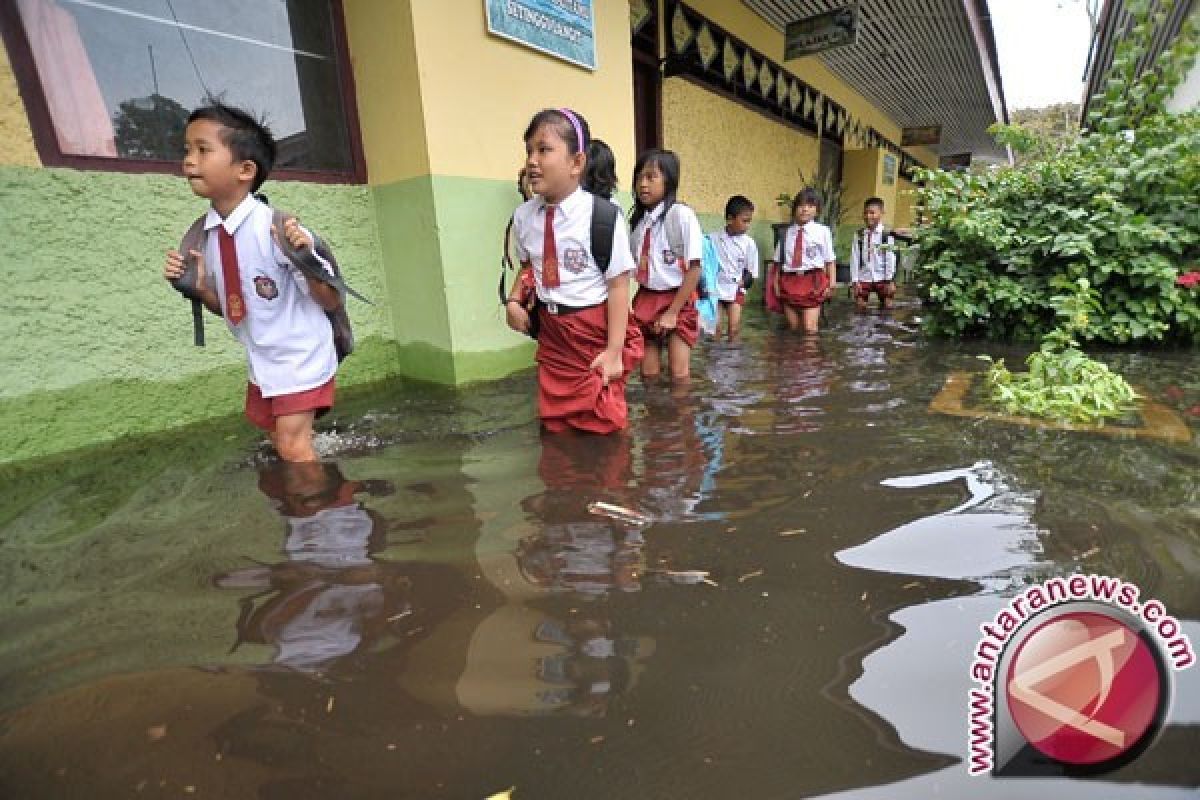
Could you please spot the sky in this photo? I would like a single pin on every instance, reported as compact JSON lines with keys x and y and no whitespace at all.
{"x":1043,"y":47}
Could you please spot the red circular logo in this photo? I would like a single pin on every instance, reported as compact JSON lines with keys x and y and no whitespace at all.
{"x":1084,"y":688}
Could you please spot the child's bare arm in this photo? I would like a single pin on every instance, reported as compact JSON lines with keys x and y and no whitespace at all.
{"x":174,"y":269}
{"x":325,"y":295}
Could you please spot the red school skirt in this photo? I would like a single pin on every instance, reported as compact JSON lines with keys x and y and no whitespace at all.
{"x":570,"y":393}
{"x":803,"y":289}
{"x":649,"y":305}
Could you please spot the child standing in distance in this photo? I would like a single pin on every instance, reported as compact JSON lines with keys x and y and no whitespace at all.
{"x":271,"y":308}
{"x":871,"y":268}
{"x":667,"y":243}
{"x":586,"y":346}
{"x":738,"y":255}
{"x":806,"y":275}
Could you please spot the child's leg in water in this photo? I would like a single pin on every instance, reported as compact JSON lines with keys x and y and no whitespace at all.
{"x":293,"y":436}
{"x":735,"y":320}
{"x":812,"y":319}
{"x":679,"y":354}
{"x":651,"y":361}
{"x":793,"y":318}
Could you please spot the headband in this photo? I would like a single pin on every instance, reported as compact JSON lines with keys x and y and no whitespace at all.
{"x":574,"y":120}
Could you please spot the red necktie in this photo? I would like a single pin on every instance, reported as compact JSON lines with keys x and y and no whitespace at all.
{"x":798,"y":250}
{"x":643,"y":269}
{"x":549,"y":253}
{"x":235,"y":308}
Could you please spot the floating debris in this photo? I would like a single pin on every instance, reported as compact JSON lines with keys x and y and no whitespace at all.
{"x":156,"y":732}
{"x":793,"y":532}
{"x":749,"y":575}
{"x":1088,"y":553}
{"x":505,"y":795}
{"x":329,"y":705}
{"x":620,"y":513}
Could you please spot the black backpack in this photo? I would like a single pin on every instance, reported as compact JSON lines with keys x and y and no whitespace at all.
{"x":303,"y":260}
{"x":603,"y":229}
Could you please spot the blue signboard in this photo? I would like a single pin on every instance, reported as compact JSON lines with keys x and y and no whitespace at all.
{"x":562,"y":28}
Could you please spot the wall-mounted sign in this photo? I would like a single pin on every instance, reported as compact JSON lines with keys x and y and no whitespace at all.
{"x":810,"y":35}
{"x":915,"y":137}
{"x":889,"y":169}
{"x":561,"y":28}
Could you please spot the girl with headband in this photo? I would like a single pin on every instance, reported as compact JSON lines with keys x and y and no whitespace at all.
{"x":580,"y":308}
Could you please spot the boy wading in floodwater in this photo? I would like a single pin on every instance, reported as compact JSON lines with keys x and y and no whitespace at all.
{"x":276,"y":313}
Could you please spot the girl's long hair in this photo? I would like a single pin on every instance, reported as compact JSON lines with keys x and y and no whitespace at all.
{"x":600,"y":175}
{"x":668,"y":164}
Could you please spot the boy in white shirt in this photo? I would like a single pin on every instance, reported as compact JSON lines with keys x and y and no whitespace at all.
{"x":871,"y":268}
{"x":271,"y":308}
{"x":805,"y":275}
{"x":738,"y":257}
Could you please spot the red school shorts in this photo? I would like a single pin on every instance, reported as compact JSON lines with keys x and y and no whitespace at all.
{"x":803,"y":289}
{"x":262,"y":411}
{"x":886,"y":290}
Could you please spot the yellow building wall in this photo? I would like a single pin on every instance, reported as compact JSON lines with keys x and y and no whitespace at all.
{"x":388,"y":88}
{"x":861,"y":179}
{"x":479,"y":91}
{"x":725,"y":148}
{"x":16,"y":137}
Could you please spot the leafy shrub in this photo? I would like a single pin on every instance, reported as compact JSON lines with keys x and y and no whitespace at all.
{"x":1117,"y":209}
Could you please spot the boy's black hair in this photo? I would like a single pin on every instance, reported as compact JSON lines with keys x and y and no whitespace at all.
{"x":558,"y":119}
{"x":600,"y":174}
{"x":806,"y":197}
{"x":668,"y":164}
{"x":247,"y":138}
{"x":873,"y":201}
{"x":737,"y":204}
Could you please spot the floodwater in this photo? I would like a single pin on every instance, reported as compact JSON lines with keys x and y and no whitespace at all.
{"x":435,"y":612}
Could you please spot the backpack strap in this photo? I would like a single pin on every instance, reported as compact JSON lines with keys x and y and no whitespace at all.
{"x":506,"y":260}
{"x":604,"y":228}
{"x":674,"y":228}
{"x":194,"y":239}
{"x":306,"y":261}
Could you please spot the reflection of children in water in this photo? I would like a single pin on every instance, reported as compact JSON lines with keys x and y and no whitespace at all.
{"x":329,"y":597}
{"x":803,"y":377}
{"x":593,"y":665}
{"x":530,"y":659}
{"x":572,"y":549}
{"x":672,"y":461}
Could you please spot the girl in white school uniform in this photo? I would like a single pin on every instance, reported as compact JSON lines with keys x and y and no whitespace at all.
{"x":586,"y":346}
{"x":804,"y":276}
{"x":667,"y":243}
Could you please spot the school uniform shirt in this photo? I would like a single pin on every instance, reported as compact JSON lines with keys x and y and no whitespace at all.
{"x":818,"y":248}
{"x":288,"y":338}
{"x":581,"y":283}
{"x":667,"y":268}
{"x":867,"y":261}
{"x":734,"y":253}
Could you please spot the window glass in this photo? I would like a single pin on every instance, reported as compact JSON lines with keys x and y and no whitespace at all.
{"x":121,"y":76}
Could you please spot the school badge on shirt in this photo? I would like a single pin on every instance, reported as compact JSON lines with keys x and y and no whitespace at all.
{"x":265,"y":287}
{"x":668,"y":256}
{"x":575,"y":259}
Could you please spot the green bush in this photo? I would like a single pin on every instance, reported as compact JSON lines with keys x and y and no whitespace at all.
{"x":1120,"y":214}
{"x":1116,"y":208}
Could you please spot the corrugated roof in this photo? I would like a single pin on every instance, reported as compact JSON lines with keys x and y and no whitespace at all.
{"x":921,"y":62}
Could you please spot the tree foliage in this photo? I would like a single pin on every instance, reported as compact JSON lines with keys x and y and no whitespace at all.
{"x":1116,"y":209}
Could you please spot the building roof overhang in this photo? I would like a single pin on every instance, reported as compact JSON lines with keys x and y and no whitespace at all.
{"x":921,"y":62}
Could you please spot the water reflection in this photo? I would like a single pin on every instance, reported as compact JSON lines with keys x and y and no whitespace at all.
{"x":919,"y":681}
{"x":478,"y":628}
{"x":329,"y":598}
